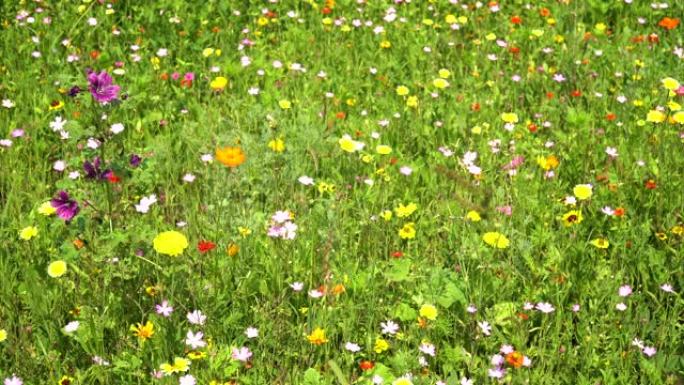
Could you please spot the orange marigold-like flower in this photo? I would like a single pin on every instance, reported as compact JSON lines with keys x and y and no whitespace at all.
{"x":669,"y":23}
{"x":515,"y":359}
{"x":230,"y":156}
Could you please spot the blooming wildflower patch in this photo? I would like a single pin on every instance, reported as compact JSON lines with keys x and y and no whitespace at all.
{"x":404,"y":192}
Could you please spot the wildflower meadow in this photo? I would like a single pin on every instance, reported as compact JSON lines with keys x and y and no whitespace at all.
{"x":317,"y":192}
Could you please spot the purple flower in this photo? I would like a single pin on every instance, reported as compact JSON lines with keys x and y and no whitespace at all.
{"x":66,"y":207}
{"x":135,"y":160}
{"x":101,"y":87}
{"x":73,"y":91}
{"x":92,"y":170}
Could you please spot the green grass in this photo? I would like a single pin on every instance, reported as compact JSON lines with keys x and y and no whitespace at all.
{"x":342,"y":242}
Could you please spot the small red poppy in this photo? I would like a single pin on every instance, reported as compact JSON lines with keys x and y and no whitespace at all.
{"x":366,"y":365}
{"x":516,"y":20}
{"x":205,"y":246}
{"x":532,"y":127}
{"x":397,"y":254}
{"x":112,"y":178}
{"x":576,"y":93}
{"x":611,"y":116}
{"x":651,"y":184}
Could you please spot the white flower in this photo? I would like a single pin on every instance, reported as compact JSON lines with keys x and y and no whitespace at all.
{"x":194,"y":340}
{"x":306,"y":180}
{"x":7,"y":103}
{"x":188,"y":178}
{"x":92,"y":143}
{"x":297,"y":286}
{"x":352,"y":347}
{"x":92,"y":21}
{"x":621,"y":306}
{"x":207,"y":158}
{"x":196,"y":317}
{"x":59,"y":165}
{"x":545,"y":307}
{"x":187,"y":379}
{"x":162,"y":52}
{"x":389,"y":327}
{"x":145,"y":203}
{"x":116,"y":128}
{"x":58,"y":124}
{"x":253,"y":91}
{"x":71,"y":327}
{"x":485,"y":327}
{"x":252,"y":332}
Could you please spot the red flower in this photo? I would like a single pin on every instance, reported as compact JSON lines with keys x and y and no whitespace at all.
{"x":326,"y":11}
{"x":576,"y":93}
{"x":366,"y":365}
{"x":112,"y":178}
{"x":205,"y":246}
{"x":516,"y":20}
{"x":668,"y":23}
{"x":514,"y":50}
{"x":397,"y":254}
{"x":611,"y":116}
{"x":651,"y":184}
{"x":532,"y":127}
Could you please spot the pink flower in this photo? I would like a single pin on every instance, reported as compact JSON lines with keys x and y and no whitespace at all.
{"x":625,"y":291}
{"x":242,"y":354}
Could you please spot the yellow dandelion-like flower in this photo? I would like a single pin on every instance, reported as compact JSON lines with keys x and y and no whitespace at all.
{"x":170,"y":243}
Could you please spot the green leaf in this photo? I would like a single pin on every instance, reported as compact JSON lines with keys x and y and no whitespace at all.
{"x":452,"y":293}
{"x":399,"y":271}
{"x":312,"y":377}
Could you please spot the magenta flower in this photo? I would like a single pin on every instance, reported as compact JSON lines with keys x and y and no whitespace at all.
{"x":101,"y":87}
{"x":66,"y":207}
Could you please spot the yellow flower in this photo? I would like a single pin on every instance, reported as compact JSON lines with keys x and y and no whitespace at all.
{"x":677,"y":230}
{"x":385,"y":44}
{"x":207,"y":52}
{"x":490,"y":37}
{"x":462,"y":19}
{"x":412,"y":101}
{"x":428,"y":311}
{"x":408,"y":231}
{"x":57,"y":269}
{"x":143,"y":332}
{"x":349,"y":145}
{"x":3,"y":335}
{"x":402,"y":91}
{"x":402,"y":381}
{"x":28,"y":232}
{"x":404,"y":211}
{"x":285,"y":104}
{"x":670,"y":84}
{"x":56,"y":106}
{"x":547,"y":163}
{"x":573,"y":217}
{"x":170,"y":243}
{"x":367,"y":158}
{"x":444,"y":73}
{"x":65,"y":380}
{"x":386,"y":215}
{"x":601,"y":243}
{"x":509,"y":117}
{"x":655,"y":116}
{"x":383,"y":149}
{"x":678,"y":117}
{"x":440,"y":83}
{"x":317,"y":337}
{"x":380,"y":345}
{"x":450,"y":19}
{"x":46,"y":209}
{"x":496,"y":240}
{"x":179,"y":365}
{"x":262,"y":21}
{"x":244,"y":231}
{"x":582,"y":191}
{"x":196,"y":355}
{"x":473,"y":216}
{"x":277,"y":145}
{"x":219,"y":83}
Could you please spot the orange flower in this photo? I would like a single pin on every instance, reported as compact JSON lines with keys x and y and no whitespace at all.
{"x":515,"y":359}
{"x":230,"y":156}
{"x":669,"y":23}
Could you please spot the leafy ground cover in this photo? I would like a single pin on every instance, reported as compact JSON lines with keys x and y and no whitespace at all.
{"x":352,"y":192}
